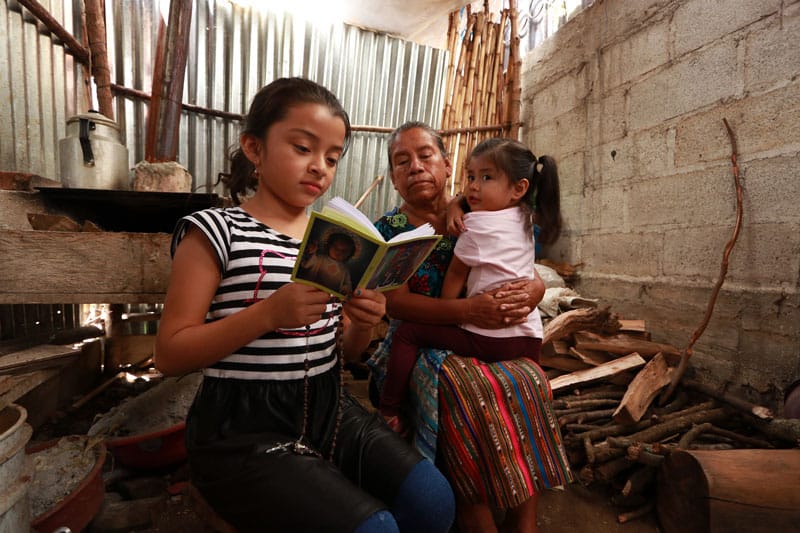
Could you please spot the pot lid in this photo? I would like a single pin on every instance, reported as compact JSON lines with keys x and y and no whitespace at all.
{"x":95,"y":117}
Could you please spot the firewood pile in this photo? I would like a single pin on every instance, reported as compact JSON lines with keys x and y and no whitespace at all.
{"x":607,"y":376}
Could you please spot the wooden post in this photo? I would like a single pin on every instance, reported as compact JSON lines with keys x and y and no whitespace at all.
{"x":96,"y":31}
{"x":163,"y":121}
{"x":730,"y":490}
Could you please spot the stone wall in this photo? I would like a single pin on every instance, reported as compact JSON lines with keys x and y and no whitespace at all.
{"x":629,"y":97}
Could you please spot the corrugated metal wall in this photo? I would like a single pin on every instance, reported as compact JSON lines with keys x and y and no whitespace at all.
{"x":40,"y":87}
{"x":234,"y":50}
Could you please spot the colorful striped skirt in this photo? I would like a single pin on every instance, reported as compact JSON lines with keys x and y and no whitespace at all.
{"x":498,"y":435}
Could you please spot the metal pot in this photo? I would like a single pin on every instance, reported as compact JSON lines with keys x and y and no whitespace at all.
{"x":91,"y":155}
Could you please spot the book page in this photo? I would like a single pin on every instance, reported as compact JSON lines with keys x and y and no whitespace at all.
{"x":342,"y":206}
{"x":400,"y":262}
{"x":424,"y":230}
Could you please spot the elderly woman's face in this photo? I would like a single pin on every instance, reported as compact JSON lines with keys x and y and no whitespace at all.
{"x":419,"y":170}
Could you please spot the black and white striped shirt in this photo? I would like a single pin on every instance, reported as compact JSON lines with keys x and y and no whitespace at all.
{"x":255,"y":261}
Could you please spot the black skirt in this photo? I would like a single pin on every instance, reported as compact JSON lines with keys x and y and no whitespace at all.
{"x":237,"y":433}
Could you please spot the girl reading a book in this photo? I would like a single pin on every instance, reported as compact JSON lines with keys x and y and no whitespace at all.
{"x":487,"y":455}
{"x":274,"y":442}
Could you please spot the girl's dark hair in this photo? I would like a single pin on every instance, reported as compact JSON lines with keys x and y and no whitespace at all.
{"x":270,"y":105}
{"x":410,"y":126}
{"x":542,"y":202}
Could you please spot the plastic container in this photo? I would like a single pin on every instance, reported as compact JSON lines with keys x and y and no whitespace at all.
{"x":151,"y":450}
{"x":80,"y":506}
{"x":15,"y":470}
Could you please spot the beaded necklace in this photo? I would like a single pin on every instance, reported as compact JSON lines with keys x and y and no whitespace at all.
{"x":299,"y":445}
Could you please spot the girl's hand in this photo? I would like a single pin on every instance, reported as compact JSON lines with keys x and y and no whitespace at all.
{"x":455,"y":217}
{"x":295,"y":305}
{"x":365,"y":308}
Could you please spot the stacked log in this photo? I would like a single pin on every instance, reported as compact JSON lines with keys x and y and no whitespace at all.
{"x":614,"y":430}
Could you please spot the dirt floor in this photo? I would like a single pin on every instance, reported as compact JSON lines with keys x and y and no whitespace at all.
{"x":160,"y":501}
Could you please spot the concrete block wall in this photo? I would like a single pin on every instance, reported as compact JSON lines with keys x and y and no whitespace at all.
{"x":629,"y":97}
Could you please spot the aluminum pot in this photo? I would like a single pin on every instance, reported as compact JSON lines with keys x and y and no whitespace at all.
{"x":91,"y":156}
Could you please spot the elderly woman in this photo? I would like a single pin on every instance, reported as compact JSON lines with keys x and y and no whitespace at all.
{"x":497,"y":438}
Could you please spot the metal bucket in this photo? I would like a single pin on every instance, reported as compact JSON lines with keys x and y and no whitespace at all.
{"x":91,"y":156}
{"x":15,"y":469}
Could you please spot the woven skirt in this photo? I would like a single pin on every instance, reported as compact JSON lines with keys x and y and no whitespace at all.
{"x":499,"y":438}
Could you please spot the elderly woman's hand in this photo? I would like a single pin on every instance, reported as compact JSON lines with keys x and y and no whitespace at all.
{"x":506,"y":306}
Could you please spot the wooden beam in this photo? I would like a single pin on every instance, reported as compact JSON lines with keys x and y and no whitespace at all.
{"x":83,"y":267}
{"x":96,"y":31}
{"x":73,"y":46}
{"x":163,"y":122}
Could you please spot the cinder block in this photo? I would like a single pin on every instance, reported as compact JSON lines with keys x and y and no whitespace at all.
{"x":622,"y":17}
{"x":631,"y":254}
{"x":773,"y":55}
{"x":772,"y":189}
{"x":561,"y":94}
{"x":768,"y":122}
{"x":564,"y":133}
{"x":609,"y":115}
{"x":692,"y":82}
{"x":701,"y":198}
{"x":654,"y":151}
{"x":699,"y":22}
{"x":615,"y":160}
{"x":763,"y":254}
{"x":570,"y":172}
{"x":625,"y":61}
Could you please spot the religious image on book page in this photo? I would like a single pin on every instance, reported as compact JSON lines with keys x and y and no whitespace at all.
{"x":342,"y":251}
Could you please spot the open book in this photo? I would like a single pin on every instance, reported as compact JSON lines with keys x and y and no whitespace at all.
{"x":343,"y":251}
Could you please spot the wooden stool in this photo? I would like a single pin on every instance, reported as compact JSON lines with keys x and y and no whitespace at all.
{"x":206,"y":512}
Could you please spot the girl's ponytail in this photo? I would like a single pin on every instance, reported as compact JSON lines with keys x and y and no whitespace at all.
{"x":547,"y":199}
{"x":242,"y":177}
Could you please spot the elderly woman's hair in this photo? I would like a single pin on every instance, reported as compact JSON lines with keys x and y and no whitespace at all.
{"x":414,"y":124}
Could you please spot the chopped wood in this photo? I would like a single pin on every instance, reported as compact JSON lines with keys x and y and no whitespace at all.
{"x":582,"y":404}
{"x":636,"y":513}
{"x":578,"y":320}
{"x":742,"y":405}
{"x":743,"y":439}
{"x":692,"y":434}
{"x":611,"y":368}
{"x":45,"y":222}
{"x":637,"y":326}
{"x":780,"y":428}
{"x":561,"y":347}
{"x":639,"y":480}
{"x":590,"y":357}
{"x":602,"y":391}
{"x":585,"y":416}
{"x":641,"y":392}
{"x":624,"y":344}
{"x":610,"y":469}
{"x":559,"y":362}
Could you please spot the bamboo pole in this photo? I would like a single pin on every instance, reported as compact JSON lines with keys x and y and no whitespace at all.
{"x":452,"y":34}
{"x":514,"y":73}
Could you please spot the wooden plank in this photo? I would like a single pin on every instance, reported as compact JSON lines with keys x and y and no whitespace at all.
{"x":83,"y":267}
{"x":599,"y":372}
{"x":591,"y":357}
{"x":42,"y":356}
